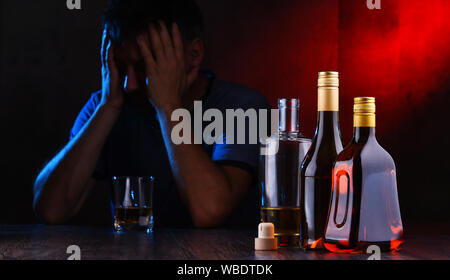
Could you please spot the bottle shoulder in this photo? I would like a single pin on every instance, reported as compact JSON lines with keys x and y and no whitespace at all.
{"x":352,"y":150}
{"x":320,"y":157}
{"x":375,"y":154}
{"x":294,"y":137}
{"x":369,"y":156}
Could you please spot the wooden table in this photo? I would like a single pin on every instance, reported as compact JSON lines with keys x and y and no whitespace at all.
{"x":423,"y":241}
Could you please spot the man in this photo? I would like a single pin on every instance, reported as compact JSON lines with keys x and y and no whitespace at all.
{"x":151,"y":54}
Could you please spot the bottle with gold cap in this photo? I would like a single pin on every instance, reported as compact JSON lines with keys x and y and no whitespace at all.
{"x":364,"y":208}
{"x":315,"y":173}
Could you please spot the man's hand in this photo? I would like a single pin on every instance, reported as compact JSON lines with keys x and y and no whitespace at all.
{"x":167,"y":75}
{"x":210,"y":191}
{"x":64,"y":184}
{"x":112,"y":95}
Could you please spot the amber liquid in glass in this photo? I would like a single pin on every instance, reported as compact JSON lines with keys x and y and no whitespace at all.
{"x":133,"y":218}
{"x":315,"y":187}
{"x":364,"y":207}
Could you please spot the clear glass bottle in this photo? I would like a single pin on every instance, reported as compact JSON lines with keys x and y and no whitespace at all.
{"x":364,"y":207}
{"x":279,"y":177}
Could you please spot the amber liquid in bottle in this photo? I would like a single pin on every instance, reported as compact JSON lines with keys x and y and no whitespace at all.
{"x":364,"y":208}
{"x":315,"y":187}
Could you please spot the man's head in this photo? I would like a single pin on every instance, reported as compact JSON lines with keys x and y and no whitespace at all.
{"x":126,"y":19}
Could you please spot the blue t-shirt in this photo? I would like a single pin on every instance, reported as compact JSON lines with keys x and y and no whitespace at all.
{"x":135,"y":147}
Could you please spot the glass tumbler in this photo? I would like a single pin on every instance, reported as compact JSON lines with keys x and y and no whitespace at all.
{"x":132,"y":199}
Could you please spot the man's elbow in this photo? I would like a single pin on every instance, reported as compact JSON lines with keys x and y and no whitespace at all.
{"x":208,"y":218}
{"x":45,"y":212}
{"x":50,"y":219}
{"x":205,"y":222}
{"x":41,"y":208}
{"x":47,"y":215}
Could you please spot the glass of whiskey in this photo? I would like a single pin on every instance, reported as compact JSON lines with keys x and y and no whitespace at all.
{"x":132,"y":199}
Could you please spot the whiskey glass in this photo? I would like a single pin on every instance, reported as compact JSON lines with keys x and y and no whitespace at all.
{"x":132,"y":200}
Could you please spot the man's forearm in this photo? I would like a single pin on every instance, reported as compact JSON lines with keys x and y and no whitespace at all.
{"x":203,"y":185}
{"x":62,"y":183}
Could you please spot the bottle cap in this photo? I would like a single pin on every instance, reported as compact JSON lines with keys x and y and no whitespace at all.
{"x":266,"y":240}
{"x":328,"y":91}
{"x":364,"y":112}
{"x":328,"y":79}
{"x":364,"y":105}
{"x":288,"y":114}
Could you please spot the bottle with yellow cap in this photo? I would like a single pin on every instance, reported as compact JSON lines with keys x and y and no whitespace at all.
{"x":364,"y":208}
{"x":315,"y":173}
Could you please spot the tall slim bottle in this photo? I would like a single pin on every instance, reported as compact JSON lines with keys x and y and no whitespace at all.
{"x":364,"y":207}
{"x":318,"y":163}
{"x":279,"y":177}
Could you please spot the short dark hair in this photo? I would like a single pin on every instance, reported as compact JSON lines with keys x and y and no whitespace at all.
{"x":126,"y":18}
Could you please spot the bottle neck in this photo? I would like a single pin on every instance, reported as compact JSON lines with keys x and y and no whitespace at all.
{"x":364,"y":122}
{"x":288,"y":117}
{"x":328,"y":125}
{"x":363,"y":134}
{"x":328,"y":111}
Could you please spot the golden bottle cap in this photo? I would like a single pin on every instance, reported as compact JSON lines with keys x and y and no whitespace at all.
{"x":364,"y":105}
{"x":328,"y":79}
{"x":328,"y":93}
{"x":364,"y":112}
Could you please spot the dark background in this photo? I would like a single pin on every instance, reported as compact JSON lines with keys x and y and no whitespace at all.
{"x":49,"y":66}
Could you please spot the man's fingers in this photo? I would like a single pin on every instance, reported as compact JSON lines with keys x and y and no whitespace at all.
{"x":103,"y":52}
{"x":150,"y":64}
{"x":166,"y":40}
{"x":177,"y":42}
{"x":110,"y":62}
{"x":192,"y":76}
{"x":156,"y":43}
